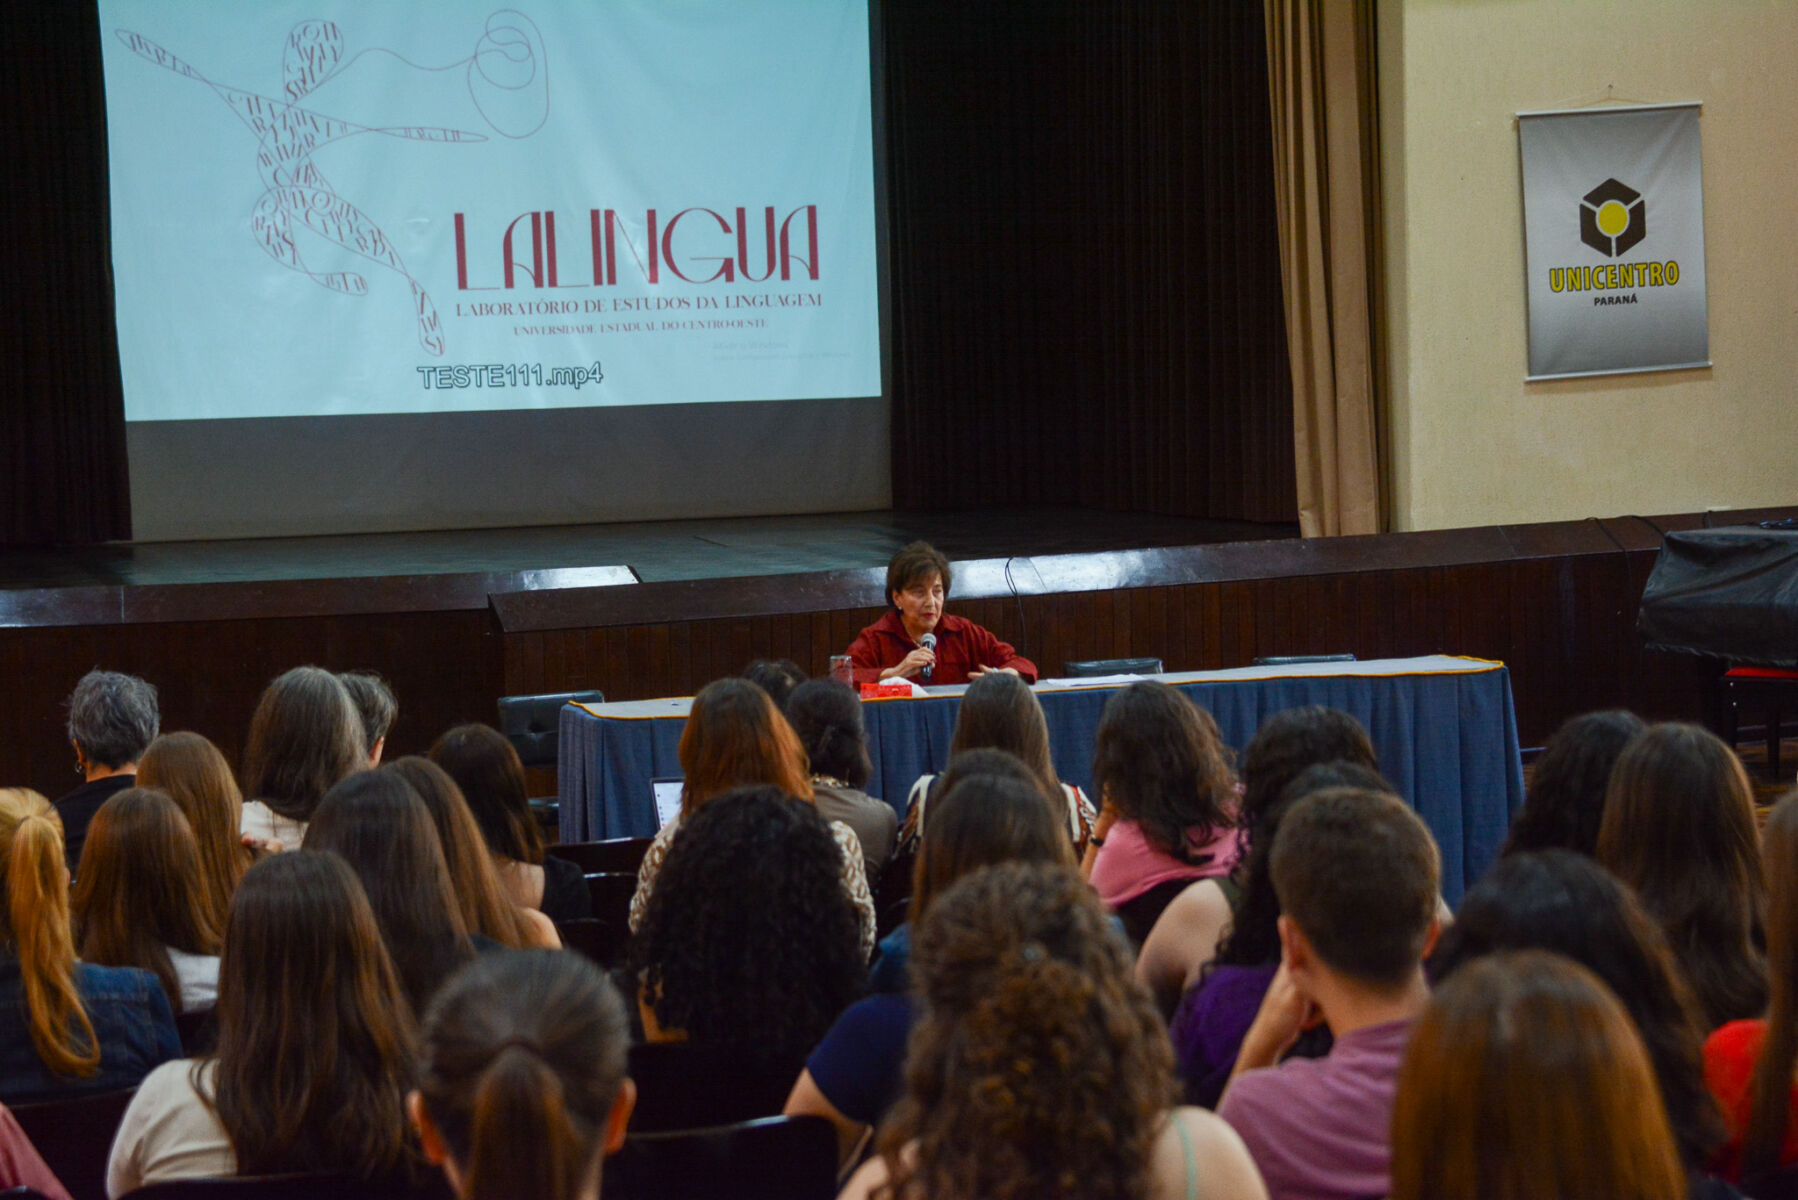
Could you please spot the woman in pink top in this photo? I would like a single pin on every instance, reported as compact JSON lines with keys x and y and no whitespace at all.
{"x":1170,"y":803}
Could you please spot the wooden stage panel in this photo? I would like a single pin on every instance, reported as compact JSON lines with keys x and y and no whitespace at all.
{"x":1557,"y":602}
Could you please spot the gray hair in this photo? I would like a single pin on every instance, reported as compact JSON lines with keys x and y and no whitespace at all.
{"x":113,"y":717}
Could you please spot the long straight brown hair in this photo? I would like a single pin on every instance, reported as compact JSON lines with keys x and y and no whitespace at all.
{"x":316,"y":1041}
{"x":486,"y":909}
{"x":1770,"y":1087}
{"x":138,"y":894}
{"x":1000,"y":712}
{"x":735,"y":737}
{"x":1678,"y":827}
{"x":34,"y":925}
{"x":198,"y":779}
{"x":305,"y":736}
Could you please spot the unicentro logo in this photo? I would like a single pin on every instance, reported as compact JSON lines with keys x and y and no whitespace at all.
{"x":1612,"y":218}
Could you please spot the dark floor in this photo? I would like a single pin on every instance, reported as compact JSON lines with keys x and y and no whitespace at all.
{"x":658,"y":550}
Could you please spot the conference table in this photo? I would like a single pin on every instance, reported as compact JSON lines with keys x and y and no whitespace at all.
{"x":1443,"y":726}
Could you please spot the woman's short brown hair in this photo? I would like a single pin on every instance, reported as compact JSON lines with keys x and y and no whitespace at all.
{"x":1525,"y":1077}
{"x":735,"y":737}
{"x":915,"y":563}
{"x":305,"y":737}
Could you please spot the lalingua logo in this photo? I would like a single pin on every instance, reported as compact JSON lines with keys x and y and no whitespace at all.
{"x":1613,"y":219}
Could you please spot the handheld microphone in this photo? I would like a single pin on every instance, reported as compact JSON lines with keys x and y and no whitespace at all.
{"x":928,"y":641}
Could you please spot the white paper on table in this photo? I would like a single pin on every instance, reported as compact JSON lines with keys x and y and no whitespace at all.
{"x":1091,"y":681}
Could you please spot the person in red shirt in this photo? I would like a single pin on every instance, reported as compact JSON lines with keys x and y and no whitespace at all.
{"x":917,"y":586}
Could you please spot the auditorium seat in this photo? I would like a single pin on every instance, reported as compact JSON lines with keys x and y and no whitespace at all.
{"x":1093,"y":667}
{"x":601,"y":940}
{"x":293,"y":1187}
{"x":680,"y":1086}
{"x":611,"y":893}
{"x":614,"y":854}
{"x":75,"y":1137}
{"x":1766,"y":688}
{"x":892,"y":892}
{"x":775,"y":1158}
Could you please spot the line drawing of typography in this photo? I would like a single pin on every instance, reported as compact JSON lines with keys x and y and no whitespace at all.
{"x":507,"y":80}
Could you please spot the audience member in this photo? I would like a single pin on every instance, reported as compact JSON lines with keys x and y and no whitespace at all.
{"x":523,"y":1090}
{"x":1525,"y":1077}
{"x":778,"y":678}
{"x":735,"y":738}
{"x":1563,"y":901}
{"x":486,"y":767}
{"x":21,"y":1166}
{"x":486,"y":909}
{"x":827,"y":717}
{"x":1168,"y":803}
{"x":305,"y":736}
{"x":1356,"y":876}
{"x":376,"y":708}
{"x":856,"y":1073}
{"x":112,"y":718}
{"x":375,"y":822}
{"x":1678,"y":827}
{"x":190,"y":770}
{"x":1214,"y":1016}
{"x":1000,"y":712}
{"x":67,"y":1028}
{"x":1038,"y":1067}
{"x":315,"y":1046}
{"x":139,"y":900}
{"x":1187,"y":934}
{"x":1565,"y":801}
{"x":748,"y":941}
{"x":1749,"y":1064}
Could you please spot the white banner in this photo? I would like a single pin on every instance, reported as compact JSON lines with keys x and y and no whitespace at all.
{"x":1613,"y":216}
{"x":378,"y":206}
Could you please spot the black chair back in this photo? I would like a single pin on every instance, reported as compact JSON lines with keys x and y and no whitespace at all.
{"x":776,"y":1158}
{"x":199,"y":1032}
{"x":74,"y":1137}
{"x":680,"y":1086}
{"x":1088,"y":668}
{"x":611,"y":893}
{"x":294,"y":1187}
{"x":533,"y":723}
{"x":614,"y":854}
{"x":602,"y":941}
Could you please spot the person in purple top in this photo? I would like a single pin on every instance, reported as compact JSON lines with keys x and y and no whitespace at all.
{"x":1356,"y":874}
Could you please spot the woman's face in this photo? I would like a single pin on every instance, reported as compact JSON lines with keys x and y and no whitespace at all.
{"x":920,"y":605}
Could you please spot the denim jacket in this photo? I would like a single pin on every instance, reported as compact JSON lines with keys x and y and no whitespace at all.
{"x":131,"y":1019}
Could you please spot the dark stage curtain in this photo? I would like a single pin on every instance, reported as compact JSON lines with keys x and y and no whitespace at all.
{"x":1085,"y":270}
{"x":62,"y":416}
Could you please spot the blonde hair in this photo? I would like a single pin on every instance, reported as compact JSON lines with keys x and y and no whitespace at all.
{"x":35,"y":882}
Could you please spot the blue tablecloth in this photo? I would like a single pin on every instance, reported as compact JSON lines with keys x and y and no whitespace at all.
{"x":1444,"y":728}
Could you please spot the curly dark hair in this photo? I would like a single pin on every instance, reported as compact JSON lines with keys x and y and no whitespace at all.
{"x":1565,"y":801}
{"x":1037,"y":1067}
{"x":750,"y":939}
{"x":1159,"y":758}
{"x":1562,"y":901}
{"x":1296,"y":738}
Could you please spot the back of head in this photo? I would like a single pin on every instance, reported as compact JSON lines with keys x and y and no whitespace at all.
{"x":195,"y":775}
{"x":377,"y":824}
{"x":1770,"y":1088}
{"x":112,"y":717}
{"x":524,"y":1061}
{"x":315,"y":1045}
{"x":305,"y":736}
{"x":750,"y":939}
{"x":1253,"y":937}
{"x":1037,"y":1066}
{"x":487,"y":769}
{"x":735,"y":737}
{"x":376,"y":706}
{"x":1000,"y":712}
{"x":1296,"y":738}
{"x":1562,"y":901}
{"x":485,"y":908}
{"x":1525,"y":1078}
{"x":1159,"y":759}
{"x":1678,"y":827}
{"x":34,"y":926}
{"x":1356,"y":871}
{"x":1567,"y":788}
{"x":827,"y":718}
{"x":983,"y":820}
{"x":777,"y":677}
{"x":138,"y":894}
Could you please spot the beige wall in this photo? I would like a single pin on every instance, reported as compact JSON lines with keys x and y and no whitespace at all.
{"x":1471,"y":443}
